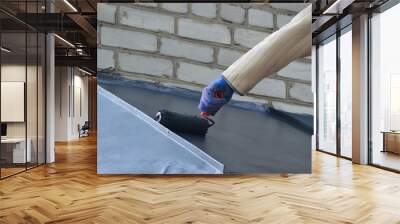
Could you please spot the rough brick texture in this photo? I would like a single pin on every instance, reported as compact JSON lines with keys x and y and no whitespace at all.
{"x":282,"y":20}
{"x":270,"y":87}
{"x":179,"y":48}
{"x":297,"y":70}
{"x":301,"y":92}
{"x":227,"y":56}
{"x":133,"y":40}
{"x":191,"y":44}
{"x":204,"y":31}
{"x":197,"y":73}
{"x":175,"y":7}
{"x":148,"y":4}
{"x":208,"y":10}
{"x":146,"y":20}
{"x":232,"y":13}
{"x":144,"y":64}
{"x":105,"y":59}
{"x":262,"y":18}
{"x":106,"y":13}
{"x":248,"y":38}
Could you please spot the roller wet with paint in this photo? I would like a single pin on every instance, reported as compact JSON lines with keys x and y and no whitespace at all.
{"x":183,"y":123}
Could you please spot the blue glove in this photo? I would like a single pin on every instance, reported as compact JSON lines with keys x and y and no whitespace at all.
{"x":214,"y":96}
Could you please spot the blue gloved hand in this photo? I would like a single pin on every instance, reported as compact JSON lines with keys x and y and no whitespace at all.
{"x":214,"y":96}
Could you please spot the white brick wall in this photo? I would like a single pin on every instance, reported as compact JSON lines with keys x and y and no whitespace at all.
{"x":282,"y":20}
{"x":146,"y":20}
{"x":197,"y":74}
{"x":203,"y":31}
{"x":149,"y":4}
{"x":144,"y":64}
{"x":116,"y":37}
{"x":179,"y":48}
{"x":248,"y":38}
{"x":105,"y":59}
{"x":261,"y":18}
{"x":192,"y":43}
{"x":106,"y":13}
{"x":270,"y":87}
{"x":175,"y":7}
{"x":294,"y":7}
{"x":227,"y":56}
{"x":208,"y":10}
{"x":232,"y":13}
{"x":297,"y":70}
{"x":301,"y":92}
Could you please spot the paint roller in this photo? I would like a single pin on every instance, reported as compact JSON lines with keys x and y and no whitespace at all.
{"x":183,"y":123}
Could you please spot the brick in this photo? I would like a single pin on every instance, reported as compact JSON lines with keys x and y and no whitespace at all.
{"x":270,"y":87}
{"x":301,"y":92}
{"x":106,"y":12}
{"x":146,"y":20}
{"x":294,"y":7}
{"x":297,"y":70}
{"x":197,"y":73}
{"x":144,"y":64}
{"x":227,"y":56}
{"x":232,"y":13}
{"x":185,"y":49}
{"x":208,"y":10}
{"x":175,"y":7}
{"x":249,"y":99}
{"x":248,"y":38}
{"x":293,"y":108}
{"x":184,"y":85}
{"x":282,"y":20}
{"x":149,"y":4}
{"x":261,"y":18}
{"x":128,"y":39}
{"x":203,"y":31}
{"x":105,"y":58}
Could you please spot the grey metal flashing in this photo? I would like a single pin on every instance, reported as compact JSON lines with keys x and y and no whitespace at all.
{"x":130,"y":142}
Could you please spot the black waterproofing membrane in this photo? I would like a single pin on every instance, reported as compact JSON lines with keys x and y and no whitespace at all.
{"x":246,"y":137}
